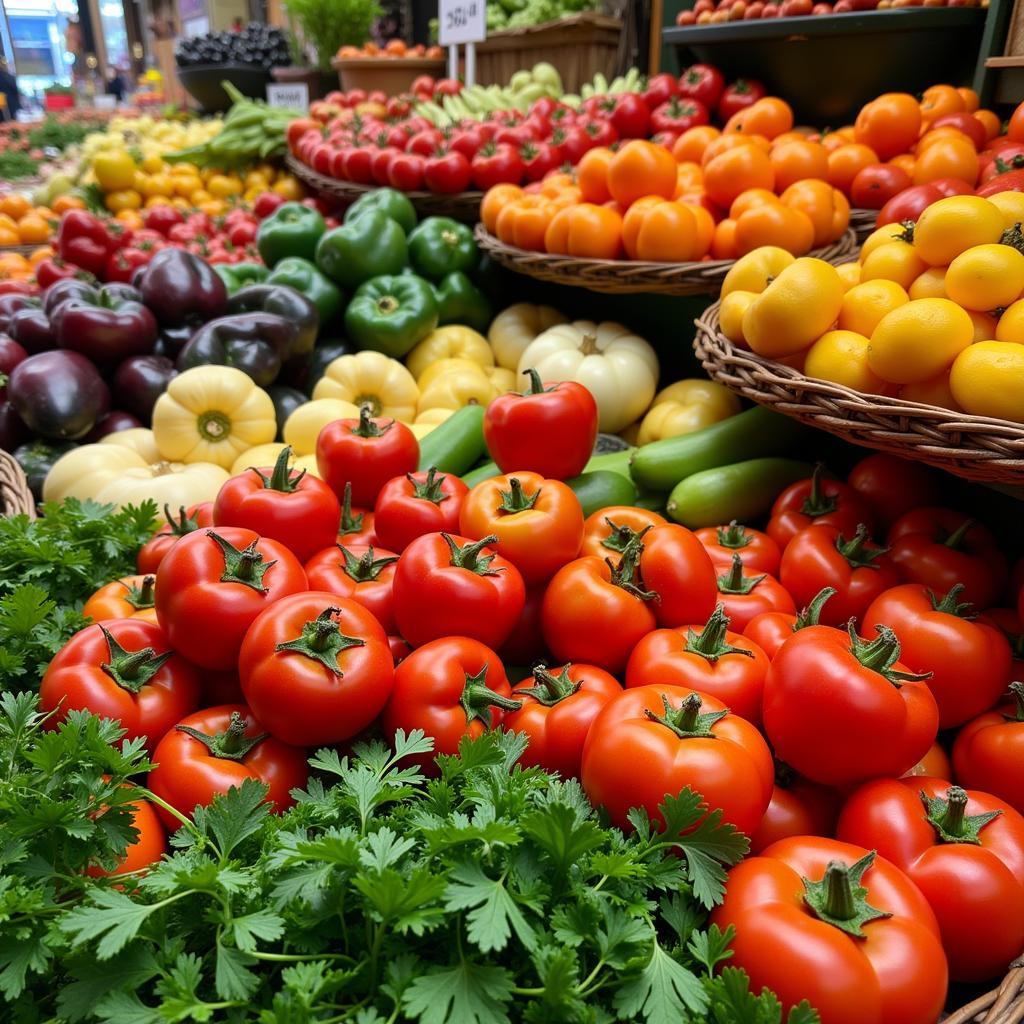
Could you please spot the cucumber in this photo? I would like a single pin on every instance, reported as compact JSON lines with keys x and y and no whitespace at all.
{"x":659,"y":466}
{"x":602,"y":488}
{"x":612,"y":462}
{"x":744,"y":491}
{"x":456,"y":444}
{"x":477,"y":476}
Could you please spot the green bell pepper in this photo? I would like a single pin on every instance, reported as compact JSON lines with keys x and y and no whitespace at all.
{"x":391,"y":314}
{"x":440,"y":246}
{"x":459,"y":301}
{"x":291,"y":230}
{"x":238,"y":275}
{"x":372,"y":245}
{"x":390,"y":202}
{"x":304,"y":277}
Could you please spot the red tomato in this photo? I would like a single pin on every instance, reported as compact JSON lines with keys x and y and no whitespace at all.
{"x":940,"y":548}
{"x":821,"y":556}
{"x":447,"y":172}
{"x":820,"y":501}
{"x":968,"y":661}
{"x":359,"y":573}
{"x":316,"y":667}
{"x":839,"y":709}
{"x":839,"y":926}
{"x":873,"y":186}
{"x":743,"y":93}
{"x":449,"y":688}
{"x":770,"y":630}
{"x":702,"y":82}
{"x":406,"y":172}
{"x":122,"y":669}
{"x":130,"y":597}
{"x":607,"y":531}
{"x":539,"y":160}
{"x":497,"y":163}
{"x":935,"y":764}
{"x":989,"y":751}
{"x":709,"y":658}
{"x":628,"y":114}
{"x":447,"y":585}
{"x":966,"y":123}
{"x":660,"y":89}
{"x":208,"y":753}
{"x":798,"y":807}
{"x":525,"y":644}
{"x":892,"y":486}
{"x":148,"y":849}
{"x":965,"y":852}
{"x":151,"y":554}
{"x":518,"y":429}
{"x":294,"y":508}
{"x":538,"y":523}
{"x":908,"y":204}
{"x":745,"y":595}
{"x":211,"y":586}
{"x":655,"y":740}
{"x":756,"y":550}
{"x":356,"y":526}
{"x":675,"y":566}
{"x":417,"y":503}
{"x":557,"y":712}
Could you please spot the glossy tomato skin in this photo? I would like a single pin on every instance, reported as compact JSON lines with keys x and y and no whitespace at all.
{"x":822,"y":556}
{"x":837,"y":721}
{"x":204,"y":615}
{"x":130,"y":597}
{"x":633,"y":760}
{"x":293,"y":508}
{"x":587,"y":617}
{"x":538,"y":522}
{"x":988,"y":751}
{"x":362,"y":574}
{"x":798,"y":807}
{"x":908,"y":204}
{"x":926,"y":547}
{"x":732,"y":668}
{"x":555,"y":719}
{"x":187,"y":520}
{"x":607,"y":531}
{"x":756,"y":550}
{"x":897,"y":973}
{"x":969,"y":661}
{"x":189,"y":774}
{"x":892,"y":486}
{"x":745,"y":594}
{"x":147,"y":849}
{"x":300,"y":696}
{"x":525,"y":644}
{"x":439,"y":592}
{"x":770,"y":630}
{"x":519,"y":429}
{"x":418,"y":503}
{"x":935,"y":764}
{"x":76,"y":680}
{"x":365,"y":453}
{"x":449,"y":688}
{"x":817,"y":500}
{"x":674,"y":564}
{"x":975,"y":887}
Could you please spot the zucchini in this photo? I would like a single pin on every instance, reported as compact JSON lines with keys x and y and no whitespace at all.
{"x":602,"y":488}
{"x":744,"y":491}
{"x":613,"y":462}
{"x":456,"y":444}
{"x":483,"y":472}
{"x":659,"y":466}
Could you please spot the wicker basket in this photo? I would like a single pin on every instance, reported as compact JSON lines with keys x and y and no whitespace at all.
{"x":15,"y":497}
{"x":975,"y":447}
{"x":630,"y":275}
{"x":863,"y":223}
{"x":1003,"y":1005}
{"x":461,"y":206}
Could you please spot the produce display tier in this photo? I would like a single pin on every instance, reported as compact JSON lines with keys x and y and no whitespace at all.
{"x":203,"y":83}
{"x":698,"y":278}
{"x":849,"y":58}
{"x":461,"y":206}
{"x":392,"y":75}
{"x":974,"y":447}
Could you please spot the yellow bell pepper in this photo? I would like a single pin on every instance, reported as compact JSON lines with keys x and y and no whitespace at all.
{"x":686,"y":406}
{"x":212,"y":414}
{"x":455,"y":389}
{"x":261,"y":455}
{"x":373,"y":379}
{"x":451,"y":342}
{"x":502,"y":378}
{"x":446,"y":366}
{"x":303,"y":427}
{"x":139,"y":439}
{"x":432,"y":416}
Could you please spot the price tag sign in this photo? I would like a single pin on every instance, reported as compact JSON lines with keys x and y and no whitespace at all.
{"x":288,"y":97}
{"x":462,"y":21}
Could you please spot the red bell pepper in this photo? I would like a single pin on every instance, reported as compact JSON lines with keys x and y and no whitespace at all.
{"x":57,"y":269}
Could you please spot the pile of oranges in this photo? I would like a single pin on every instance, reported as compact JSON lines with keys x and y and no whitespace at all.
{"x":21,"y":223}
{"x":392,"y":48}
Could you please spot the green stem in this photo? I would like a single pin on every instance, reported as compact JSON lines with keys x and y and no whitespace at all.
{"x":627,"y":574}
{"x":367,"y":427}
{"x":550,"y":689}
{"x":349,"y":523}
{"x":734,"y":582}
{"x":515,"y":499}
{"x":811,"y":615}
{"x":1017,"y":692}
{"x":949,"y":603}
{"x":856,"y":550}
{"x":131,"y":670}
{"x":686,"y":721}
{"x":470,"y":558}
{"x":948,"y":816}
{"x":817,"y":503}
{"x":281,"y":478}
{"x":478,"y":698}
{"x":956,"y":539}
{"x":710,"y":642}
{"x":232,"y":744}
{"x":840,"y":900}
{"x":536,"y":384}
{"x":429,"y":489}
{"x":619,"y":538}
{"x":366,"y":568}
{"x":881,"y":654}
{"x":246,"y":566}
{"x":733,"y":536}
{"x":322,"y":641}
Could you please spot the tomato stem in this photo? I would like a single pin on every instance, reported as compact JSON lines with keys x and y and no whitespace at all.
{"x":281,"y":478}
{"x":817,"y":503}
{"x":232,"y":744}
{"x":1017,"y":691}
{"x":131,"y":670}
{"x":956,"y":539}
{"x":366,"y":427}
{"x":810,"y":615}
{"x":686,"y":721}
{"x":536,"y":384}
{"x":734,"y":582}
{"x":478,"y":698}
{"x":246,"y":566}
{"x":856,"y":551}
{"x":184,"y":524}
{"x":881,"y":654}
{"x":950,"y":605}
{"x":627,"y":574}
{"x":366,"y":568}
{"x":322,"y":641}
{"x":950,"y":819}
{"x":550,"y":689}
{"x":349,"y":523}
{"x":710,"y":642}
{"x":516,"y":499}
{"x":619,"y":538}
{"x":734,"y":535}
{"x":141,"y":597}
{"x":469,"y":557}
{"x":429,"y":489}
{"x":840,"y":900}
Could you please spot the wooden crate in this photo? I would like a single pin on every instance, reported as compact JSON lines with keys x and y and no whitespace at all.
{"x":579,"y":46}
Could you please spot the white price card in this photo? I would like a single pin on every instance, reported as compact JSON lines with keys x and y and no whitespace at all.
{"x":462,"y":21}
{"x":288,"y":97}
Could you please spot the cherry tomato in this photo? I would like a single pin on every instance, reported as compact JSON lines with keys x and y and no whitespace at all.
{"x":798,"y":807}
{"x":892,"y":486}
{"x":417,"y":503}
{"x":607,"y":531}
{"x":988,"y":751}
{"x":817,"y":500}
{"x":151,"y":554}
{"x":130,"y":597}
{"x":770,"y":630}
{"x":756,"y":550}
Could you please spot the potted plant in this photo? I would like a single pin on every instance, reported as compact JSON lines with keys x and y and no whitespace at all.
{"x":327,"y":25}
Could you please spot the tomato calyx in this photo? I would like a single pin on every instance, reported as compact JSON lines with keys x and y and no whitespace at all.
{"x":1017,"y":692}
{"x":734,"y":582}
{"x":950,"y":605}
{"x":429,"y":489}
{"x":686,"y":721}
{"x":366,"y":568}
{"x":131,"y":670}
{"x":141,"y":597}
{"x":907,"y":234}
{"x":246,"y":566}
{"x":515,"y":499}
{"x":817,"y":503}
{"x":478,"y":698}
{"x":322,"y":641}
{"x":550,"y":689}
{"x":366,"y":427}
{"x":1013,"y":237}
{"x":627,"y":574}
{"x":810,"y":615}
{"x":349,"y":523}
{"x":840,"y":900}
{"x":855,"y":550}
{"x":710,"y":643}
{"x":949,"y":817}
{"x":184,"y":524}
{"x":281,"y":478}
{"x":469,"y":557}
{"x":619,"y":538}
{"x":232,"y":744}
{"x":536,"y":384}
{"x":733,"y":536}
{"x":881,"y":654}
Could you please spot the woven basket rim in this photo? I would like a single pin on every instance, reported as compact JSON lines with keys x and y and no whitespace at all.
{"x":1003,"y":1004}
{"x":15,"y":497}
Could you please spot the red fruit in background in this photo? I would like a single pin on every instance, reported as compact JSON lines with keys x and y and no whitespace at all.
{"x":873,"y":186}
